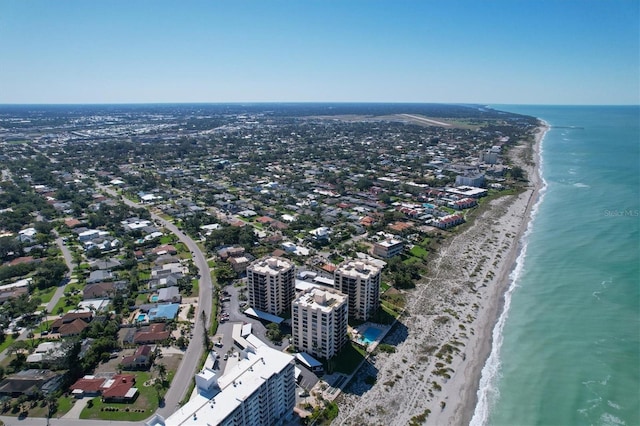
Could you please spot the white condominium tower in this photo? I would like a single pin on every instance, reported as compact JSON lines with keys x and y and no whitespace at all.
{"x":271,"y":284}
{"x":319,"y":322}
{"x":360,"y":280}
{"x":259,"y":390}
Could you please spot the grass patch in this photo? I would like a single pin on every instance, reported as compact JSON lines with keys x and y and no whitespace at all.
{"x":166,"y":239}
{"x":385,"y":314}
{"x":412,"y":261}
{"x":67,"y":303}
{"x":419,"y":251}
{"x":144,"y":275}
{"x":64,"y":405}
{"x":347,"y":360}
{"x":8,"y":340}
{"x":45,"y":295}
{"x":195,"y":287}
{"x":384,"y":286}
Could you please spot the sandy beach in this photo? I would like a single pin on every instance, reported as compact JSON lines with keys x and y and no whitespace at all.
{"x":445,"y":335}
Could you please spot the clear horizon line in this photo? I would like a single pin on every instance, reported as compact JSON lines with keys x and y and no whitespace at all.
{"x":301,"y":103}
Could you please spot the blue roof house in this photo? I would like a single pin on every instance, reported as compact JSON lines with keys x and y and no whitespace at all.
{"x":166,"y":311}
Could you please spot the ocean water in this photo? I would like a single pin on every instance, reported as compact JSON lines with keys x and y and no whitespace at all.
{"x":567,"y":348}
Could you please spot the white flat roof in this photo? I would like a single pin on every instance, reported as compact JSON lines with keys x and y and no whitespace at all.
{"x":237,"y":385}
{"x":263,"y":315}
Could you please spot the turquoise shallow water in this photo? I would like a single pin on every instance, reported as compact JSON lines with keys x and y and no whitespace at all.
{"x":569,"y":350}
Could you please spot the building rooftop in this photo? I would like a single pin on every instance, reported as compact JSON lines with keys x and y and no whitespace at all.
{"x":320,"y":299}
{"x":358,"y":269}
{"x":271,"y":265}
{"x":237,"y":385}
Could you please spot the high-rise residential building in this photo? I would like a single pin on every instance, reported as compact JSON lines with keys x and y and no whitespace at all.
{"x":360,"y":281}
{"x":271,"y":284}
{"x":259,"y":390}
{"x":319,"y":322}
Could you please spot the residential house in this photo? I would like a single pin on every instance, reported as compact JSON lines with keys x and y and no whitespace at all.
{"x":72,"y":323}
{"x":29,"y":382}
{"x":151,"y":334}
{"x":50,"y":354}
{"x":140,"y":360}
{"x":169,"y":294}
{"x":99,"y":275}
{"x":117,"y":388}
{"x":103,"y":289}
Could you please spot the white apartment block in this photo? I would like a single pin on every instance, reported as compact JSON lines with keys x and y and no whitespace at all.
{"x":271,"y":284}
{"x":388,"y":248}
{"x":319,"y":322}
{"x":360,"y":280}
{"x":258,"y":391}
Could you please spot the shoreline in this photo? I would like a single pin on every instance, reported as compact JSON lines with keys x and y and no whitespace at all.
{"x":505,"y":282}
{"x":435,"y":373}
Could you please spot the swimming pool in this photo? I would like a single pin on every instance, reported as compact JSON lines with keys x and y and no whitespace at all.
{"x":154,"y":298}
{"x":142,"y":317}
{"x":370,"y":335}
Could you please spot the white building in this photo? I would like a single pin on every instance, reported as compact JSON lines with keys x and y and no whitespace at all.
{"x":388,"y":248}
{"x":271,"y":284}
{"x":360,"y":280}
{"x":259,"y":390}
{"x":319,"y":322}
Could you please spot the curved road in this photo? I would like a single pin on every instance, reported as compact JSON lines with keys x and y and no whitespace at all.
{"x":187,"y":368}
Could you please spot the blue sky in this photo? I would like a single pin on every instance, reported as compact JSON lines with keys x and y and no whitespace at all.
{"x":493,"y":52}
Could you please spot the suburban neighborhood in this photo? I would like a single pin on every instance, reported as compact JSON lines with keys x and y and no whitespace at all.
{"x":166,"y":264}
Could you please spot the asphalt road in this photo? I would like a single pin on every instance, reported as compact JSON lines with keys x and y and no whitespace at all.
{"x":68,"y":259}
{"x":187,"y":368}
{"x":41,"y":421}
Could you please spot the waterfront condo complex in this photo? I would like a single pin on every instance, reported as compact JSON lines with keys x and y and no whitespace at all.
{"x":360,"y":280}
{"x":271,"y":284}
{"x":319,"y":322}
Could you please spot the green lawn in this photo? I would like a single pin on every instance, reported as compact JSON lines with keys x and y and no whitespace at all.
{"x":347,"y":360}
{"x":412,"y":260}
{"x":195,"y":290}
{"x":143,"y":407}
{"x":419,"y":251}
{"x":64,"y":405}
{"x":144,"y":275}
{"x":67,"y":303}
{"x":45,"y":295}
{"x":166,"y":239}
{"x":384,"y":286}
{"x":8,"y":340}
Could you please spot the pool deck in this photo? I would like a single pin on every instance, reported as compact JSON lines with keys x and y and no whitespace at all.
{"x":359,"y":331}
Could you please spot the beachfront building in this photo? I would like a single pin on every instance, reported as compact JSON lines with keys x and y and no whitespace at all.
{"x":388,"y":248}
{"x":471,"y":179}
{"x":319,"y":322}
{"x":259,"y":390}
{"x":271,"y":284}
{"x":360,"y":281}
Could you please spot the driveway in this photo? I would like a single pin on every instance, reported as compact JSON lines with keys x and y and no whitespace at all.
{"x":77,"y":408}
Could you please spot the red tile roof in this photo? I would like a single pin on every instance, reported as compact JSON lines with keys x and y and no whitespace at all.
{"x":88,"y":384}
{"x":120,"y":386}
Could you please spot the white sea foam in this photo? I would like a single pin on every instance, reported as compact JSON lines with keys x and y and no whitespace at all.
{"x":610,"y":419}
{"x":581,"y":185}
{"x":488,"y":392}
{"x":613,"y":405}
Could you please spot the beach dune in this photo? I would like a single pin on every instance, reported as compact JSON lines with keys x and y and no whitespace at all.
{"x":433,"y":376}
